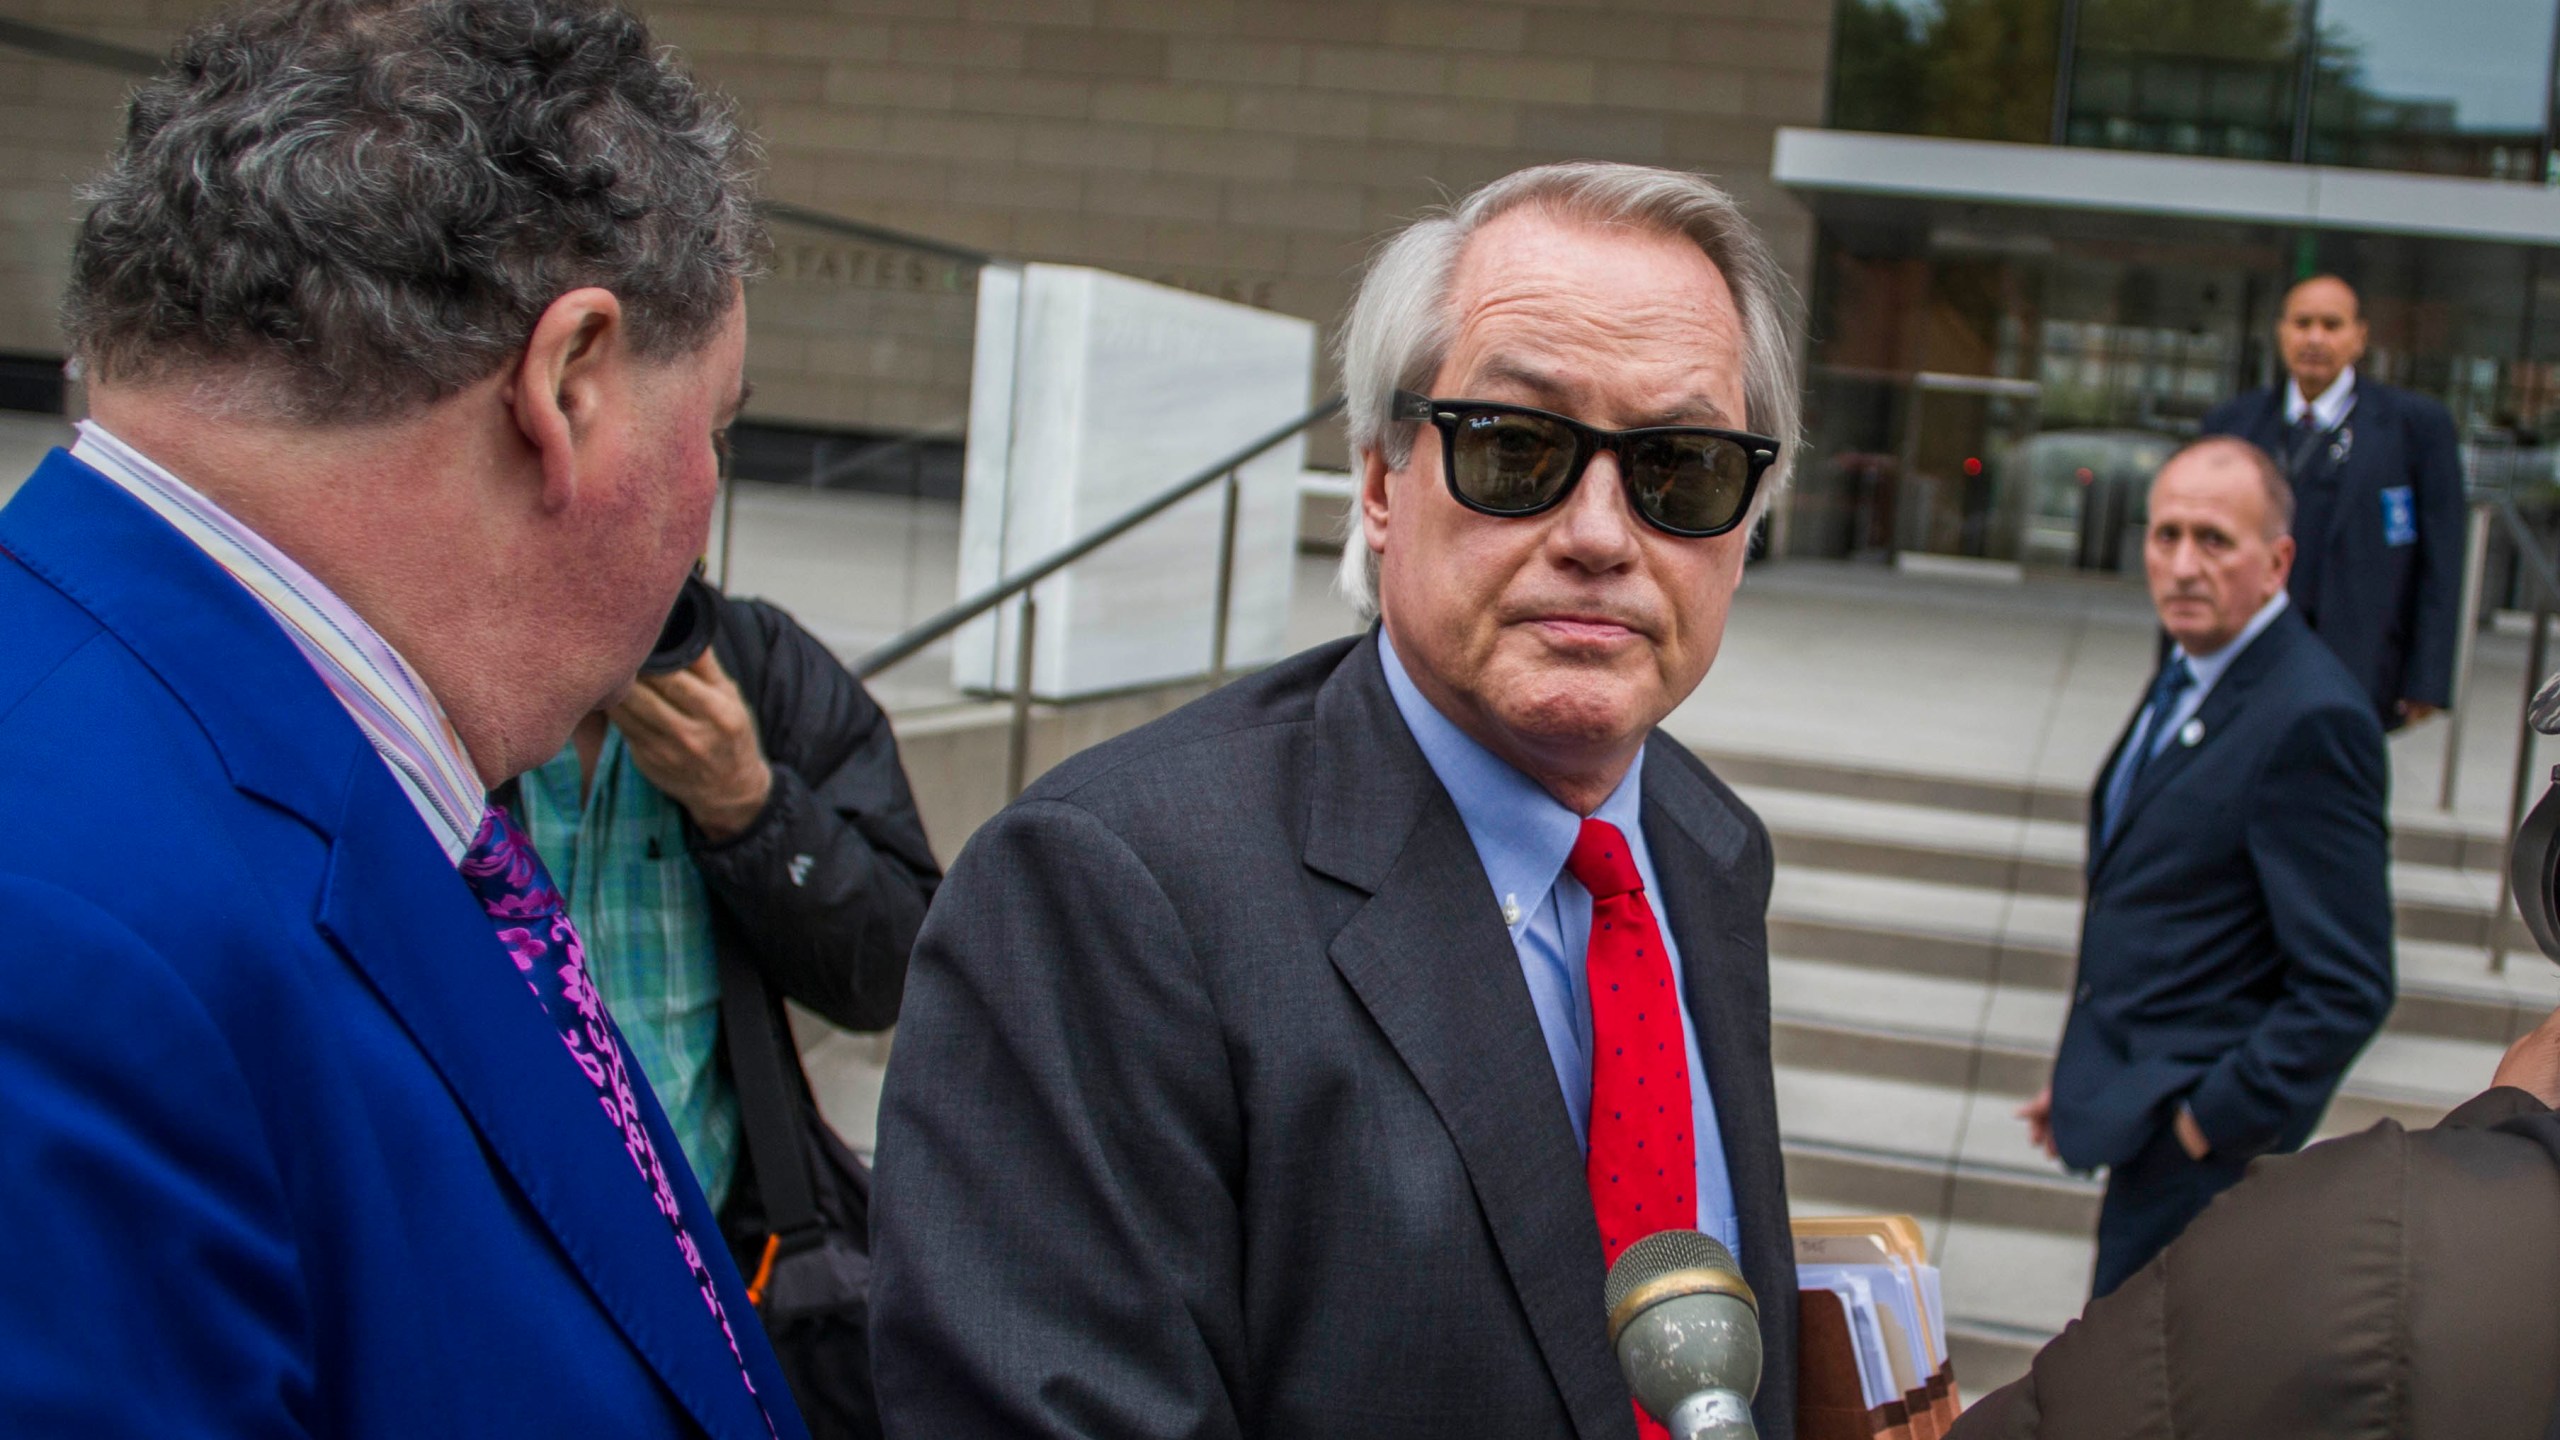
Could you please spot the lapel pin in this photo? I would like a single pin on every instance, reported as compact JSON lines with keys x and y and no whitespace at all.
{"x":2190,"y":733}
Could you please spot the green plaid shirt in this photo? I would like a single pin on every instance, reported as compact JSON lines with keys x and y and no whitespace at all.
{"x":641,"y":908}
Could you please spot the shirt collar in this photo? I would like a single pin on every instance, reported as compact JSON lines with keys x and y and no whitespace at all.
{"x":387,"y":700}
{"x":2209,"y":668}
{"x":2330,"y":408}
{"x":1522,"y":834}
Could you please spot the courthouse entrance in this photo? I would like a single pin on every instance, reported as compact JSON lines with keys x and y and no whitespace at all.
{"x":1997,"y":383}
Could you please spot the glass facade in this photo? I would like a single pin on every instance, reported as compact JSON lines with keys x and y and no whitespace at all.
{"x":1963,"y":69}
{"x":2451,"y":87}
{"x":2188,"y":77}
{"x":1999,"y":383}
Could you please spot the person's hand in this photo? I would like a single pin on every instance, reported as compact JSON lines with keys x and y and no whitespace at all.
{"x":691,"y":734}
{"x":2532,"y":1064}
{"x":2190,"y":1134}
{"x":2038,"y":1113}
{"x":2414,"y":711}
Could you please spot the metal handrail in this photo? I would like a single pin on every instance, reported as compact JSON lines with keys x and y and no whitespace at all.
{"x":2544,"y":581}
{"x":851,"y":229}
{"x":961,"y":613}
{"x":55,"y":44}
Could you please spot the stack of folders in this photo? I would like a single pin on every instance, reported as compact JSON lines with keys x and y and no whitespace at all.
{"x":1873,"y":1342}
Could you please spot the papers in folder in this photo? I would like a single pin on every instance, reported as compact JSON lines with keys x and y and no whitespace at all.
{"x":1875,"y":1334}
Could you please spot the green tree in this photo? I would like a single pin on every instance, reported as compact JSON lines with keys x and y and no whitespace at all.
{"x":1989,"y":74}
{"x":2215,"y":29}
{"x":1878,"y":53}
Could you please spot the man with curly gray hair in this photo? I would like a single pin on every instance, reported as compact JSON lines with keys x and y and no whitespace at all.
{"x":1331,"y":1037}
{"x":410,"y":330}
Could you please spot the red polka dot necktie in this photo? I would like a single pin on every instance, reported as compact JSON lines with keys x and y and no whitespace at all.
{"x":1643,"y":1160}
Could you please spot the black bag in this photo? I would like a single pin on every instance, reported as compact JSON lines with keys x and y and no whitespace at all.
{"x":798,"y":1218}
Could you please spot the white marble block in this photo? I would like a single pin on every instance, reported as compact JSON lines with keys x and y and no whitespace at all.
{"x":1093,"y":393}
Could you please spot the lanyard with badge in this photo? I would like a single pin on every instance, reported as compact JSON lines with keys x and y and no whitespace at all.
{"x":2340,"y":438}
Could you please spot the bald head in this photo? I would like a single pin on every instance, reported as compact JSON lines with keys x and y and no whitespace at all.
{"x":2226,"y":453}
{"x":2216,"y":548}
{"x":2320,"y":333}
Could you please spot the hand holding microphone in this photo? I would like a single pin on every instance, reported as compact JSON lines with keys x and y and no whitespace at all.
{"x":1687,"y":1333}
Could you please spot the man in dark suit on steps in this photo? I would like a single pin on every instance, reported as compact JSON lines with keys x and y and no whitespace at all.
{"x":2236,"y":952}
{"x":1295,"y":1066}
{"x":2377,"y":485}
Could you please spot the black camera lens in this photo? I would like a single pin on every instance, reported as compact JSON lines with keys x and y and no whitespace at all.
{"x":688,"y":629}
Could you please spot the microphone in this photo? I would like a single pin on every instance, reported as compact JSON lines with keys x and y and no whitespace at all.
{"x":1687,"y":1332}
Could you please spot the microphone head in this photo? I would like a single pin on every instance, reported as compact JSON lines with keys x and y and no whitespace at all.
{"x":1683,"y":1321}
{"x":1669,"y":1252}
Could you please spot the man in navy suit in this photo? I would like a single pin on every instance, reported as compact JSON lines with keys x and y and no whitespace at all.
{"x":2377,"y":484}
{"x":410,"y":330}
{"x":2236,"y":951}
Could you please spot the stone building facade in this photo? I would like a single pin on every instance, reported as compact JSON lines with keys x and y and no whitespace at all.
{"x":1247,"y":148}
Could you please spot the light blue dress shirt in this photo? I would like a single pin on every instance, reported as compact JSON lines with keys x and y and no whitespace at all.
{"x":1522,"y":836}
{"x":2208,"y":670}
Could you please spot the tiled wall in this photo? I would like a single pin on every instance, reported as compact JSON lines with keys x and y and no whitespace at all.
{"x":1249,"y":148}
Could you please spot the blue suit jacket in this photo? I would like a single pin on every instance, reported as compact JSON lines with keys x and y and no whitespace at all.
{"x":289,"y":1149}
{"x":2389,"y":604}
{"x":2236,"y":952}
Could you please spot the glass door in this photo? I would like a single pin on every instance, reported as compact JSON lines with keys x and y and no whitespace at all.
{"x":1960,"y":494}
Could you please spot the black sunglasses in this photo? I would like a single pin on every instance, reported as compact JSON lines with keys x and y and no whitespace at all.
{"x":1686,"y":480}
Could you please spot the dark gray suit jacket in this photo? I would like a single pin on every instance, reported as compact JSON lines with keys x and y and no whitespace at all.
{"x":1219,"y":1107}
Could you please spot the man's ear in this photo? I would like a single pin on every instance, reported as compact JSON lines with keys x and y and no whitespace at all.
{"x":568,"y":374}
{"x":1372,"y":500}
{"x":2283,"y":550}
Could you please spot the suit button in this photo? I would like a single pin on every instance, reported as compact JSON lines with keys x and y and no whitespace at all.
{"x":2082,"y":994}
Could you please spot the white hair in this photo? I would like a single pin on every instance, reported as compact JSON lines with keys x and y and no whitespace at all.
{"x":1400,"y":324}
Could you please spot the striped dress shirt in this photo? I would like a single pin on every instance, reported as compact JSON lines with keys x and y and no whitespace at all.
{"x":387,"y":700}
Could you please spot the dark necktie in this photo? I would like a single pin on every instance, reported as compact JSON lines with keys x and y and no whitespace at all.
{"x":2302,"y":444}
{"x":2174,"y":679}
{"x":1643,"y":1160}
{"x":508,"y":879}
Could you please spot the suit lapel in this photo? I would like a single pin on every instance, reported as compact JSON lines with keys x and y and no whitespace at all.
{"x":1428,"y":957}
{"x":2212,"y":718}
{"x":394,"y":905}
{"x":2095,"y":849}
{"x":397,"y":909}
{"x":1719,"y":923}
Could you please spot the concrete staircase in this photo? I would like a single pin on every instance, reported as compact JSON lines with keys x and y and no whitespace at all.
{"x":1922,"y":936}
{"x":1923,"y":926}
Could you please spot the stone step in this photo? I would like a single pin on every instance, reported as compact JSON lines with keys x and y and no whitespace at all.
{"x":2027,"y":942}
{"x":2014,"y":1260}
{"x":1995,"y":1324}
{"x":2413,"y":1079}
{"x":1989,"y":1355}
{"x":2043,"y":858}
{"x":2419,"y":834}
{"x":1878,"y":1119}
{"x":1904,"y":1119}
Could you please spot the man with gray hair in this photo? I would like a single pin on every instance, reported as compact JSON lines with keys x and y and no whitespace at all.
{"x":1298,"y":1064}
{"x":410,"y":328}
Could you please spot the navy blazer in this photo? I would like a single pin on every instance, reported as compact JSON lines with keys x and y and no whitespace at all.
{"x":1220,"y":1108}
{"x":2389,"y":603}
{"x":2236,"y":952}
{"x":289,"y":1150}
